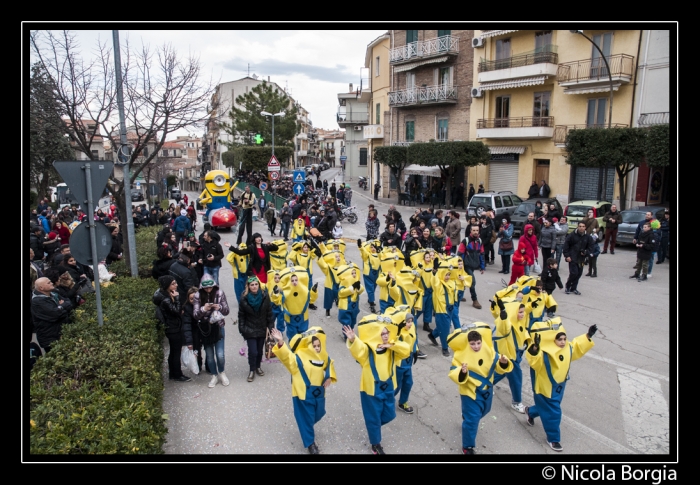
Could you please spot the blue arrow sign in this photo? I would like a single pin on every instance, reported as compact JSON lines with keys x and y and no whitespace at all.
{"x":299,"y":189}
{"x":299,"y":176}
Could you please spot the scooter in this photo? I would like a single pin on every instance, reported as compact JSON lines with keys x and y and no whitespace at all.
{"x":363,"y":183}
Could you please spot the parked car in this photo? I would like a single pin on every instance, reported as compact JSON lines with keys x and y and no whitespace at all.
{"x":175,"y":193}
{"x":519,"y":216}
{"x":631,"y":219}
{"x":577,"y":210}
{"x":325,"y":166}
{"x":504,"y":202}
{"x":136,"y":195}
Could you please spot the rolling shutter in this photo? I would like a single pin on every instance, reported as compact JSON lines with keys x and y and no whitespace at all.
{"x":503,"y":176}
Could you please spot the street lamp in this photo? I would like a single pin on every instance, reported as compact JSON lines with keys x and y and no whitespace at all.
{"x":280,"y":114}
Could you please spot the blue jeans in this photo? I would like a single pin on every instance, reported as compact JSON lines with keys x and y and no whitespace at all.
{"x":213,"y":272}
{"x":559,"y":251}
{"x":216,"y":366}
{"x":285,"y":230}
{"x":651,"y":262}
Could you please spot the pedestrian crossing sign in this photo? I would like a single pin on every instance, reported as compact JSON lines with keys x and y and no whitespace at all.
{"x":299,"y":177}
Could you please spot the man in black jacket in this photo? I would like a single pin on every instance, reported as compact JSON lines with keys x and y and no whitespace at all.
{"x":328,"y":220}
{"x":390,"y":237}
{"x":185,"y":276}
{"x":212,"y":254}
{"x":49,"y":312}
{"x":577,"y":246}
{"x":645,"y":243}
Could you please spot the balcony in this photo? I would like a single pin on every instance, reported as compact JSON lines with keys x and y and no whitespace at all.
{"x":302,"y":136}
{"x":648,"y":119}
{"x":424,"y":50}
{"x":524,"y":128}
{"x":523,"y":65}
{"x":560,"y":131}
{"x":302,"y":153}
{"x":438,"y":94}
{"x":591,"y":76}
{"x":352,"y":118}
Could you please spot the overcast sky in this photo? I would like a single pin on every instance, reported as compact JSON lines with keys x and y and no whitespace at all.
{"x":315,"y":65}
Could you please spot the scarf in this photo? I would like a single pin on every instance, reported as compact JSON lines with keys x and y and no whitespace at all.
{"x":255,"y":300}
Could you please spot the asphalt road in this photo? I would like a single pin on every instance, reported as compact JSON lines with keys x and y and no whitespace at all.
{"x":616,"y":402}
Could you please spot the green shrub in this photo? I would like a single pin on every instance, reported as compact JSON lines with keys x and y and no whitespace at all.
{"x":100,"y":389}
{"x":33,"y":199}
{"x":145,"y":253}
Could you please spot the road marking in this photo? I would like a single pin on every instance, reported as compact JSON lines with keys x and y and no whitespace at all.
{"x":644,"y":412}
{"x":627,"y":367}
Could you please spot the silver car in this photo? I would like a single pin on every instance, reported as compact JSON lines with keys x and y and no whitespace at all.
{"x":631,"y":219}
{"x":503,"y":202}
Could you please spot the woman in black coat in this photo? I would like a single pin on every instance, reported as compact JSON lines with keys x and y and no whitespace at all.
{"x":254,"y":320}
{"x":161,"y":266}
{"x":115,"y":253}
{"x":190,"y":330}
{"x":259,"y":263}
{"x":412,"y":243}
{"x":167,"y":299}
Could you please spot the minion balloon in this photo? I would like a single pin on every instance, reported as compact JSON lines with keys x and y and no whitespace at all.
{"x":216,"y":196}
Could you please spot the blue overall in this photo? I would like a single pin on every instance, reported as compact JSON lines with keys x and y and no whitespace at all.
{"x":312,"y":408}
{"x":404,"y":376}
{"x":475,"y":409}
{"x":383,"y":305}
{"x":427,"y":310}
{"x":515,"y":377}
{"x":278,"y":314}
{"x":349,"y":317}
{"x":548,"y":409}
{"x":534,"y":319}
{"x":217,"y":202}
{"x":371,"y":283}
{"x":378,"y":410}
{"x":442,"y":322}
{"x":297,"y":323}
{"x":455,"y":313}
{"x":330,"y":294}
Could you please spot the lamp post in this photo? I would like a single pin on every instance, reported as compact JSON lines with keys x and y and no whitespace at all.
{"x":280,"y":114}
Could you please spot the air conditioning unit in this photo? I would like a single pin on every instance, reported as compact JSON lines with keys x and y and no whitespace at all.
{"x":357,"y":128}
{"x":477,"y":93}
{"x":477,"y":42}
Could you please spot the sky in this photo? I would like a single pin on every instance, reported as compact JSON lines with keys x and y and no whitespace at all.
{"x":315,"y":65}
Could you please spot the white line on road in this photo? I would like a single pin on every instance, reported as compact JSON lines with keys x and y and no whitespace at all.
{"x":627,"y":367}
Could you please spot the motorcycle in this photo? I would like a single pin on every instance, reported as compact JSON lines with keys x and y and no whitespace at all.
{"x":363,"y":183}
{"x":348,"y":213}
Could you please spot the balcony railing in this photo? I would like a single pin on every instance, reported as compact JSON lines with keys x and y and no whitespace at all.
{"x":560,"y":131}
{"x":353,"y":117}
{"x":621,"y":66}
{"x":427,"y":94}
{"x":425,"y":48}
{"x":401,"y":143}
{"x":648,"y":119}
{"x":522,"y":122}
{"x":549,"y":55}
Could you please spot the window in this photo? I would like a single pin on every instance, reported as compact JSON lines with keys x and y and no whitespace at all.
{"x":442,"y":130}
{"x":165,"y":152}
{"x":378,"y":112}
{"x":363,"y":157}
{"x":604,"y":41}
{"x":410,"y":130}
{"x":502,"y":53}
{"x":410,"y":80}
{"x":498,"y":202}
{"x":145,"y":151}
{"x":540,"y":110}
{"x":543,"y":46}
{"x":444,"y":32}
{"x":502,"y":111}
{"x":376,"y":68}
{"x":412,"y":42}
{"x":444,"y":76}
{"x":443,"y":40}
{"x":95,"y":154}
{"x":596,"y":112}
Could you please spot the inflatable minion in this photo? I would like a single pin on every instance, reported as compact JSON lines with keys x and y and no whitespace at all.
{"x":422,"y":259}
{"x":377,"y":348}
{"x":274,"y":279}
{"x":550,"y":355}
{"x":294,"y":298}
{"x":278,"y":257}
{"x":312,"y":372}
{"x":298,"y":230}
{"x":239,"y":268}
{"x":371,"y":267}
{"x":509,"y":338}
{"x":444,"y":296}
{"x":473,"y":367}
{"x":349,"y":291}
{"x":218,"y":188}
{"x":462,"y":280}
{"x":391,"y":261}
{"x":301,"y":255}
{"x":404,"y":371}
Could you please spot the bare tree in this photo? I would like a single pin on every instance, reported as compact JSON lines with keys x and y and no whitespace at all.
{"x":162,"y":94}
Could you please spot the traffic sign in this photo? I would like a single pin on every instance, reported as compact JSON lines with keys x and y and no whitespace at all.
{"x":343,"y":158}
{"x":73,"y":174}
{"x":299,"y":189}
{"x":299,"y":176}
{"x":80,"y":242}
{"x":273,"y":175}
{"x":263,"y":185}
{"x":273,"y":164}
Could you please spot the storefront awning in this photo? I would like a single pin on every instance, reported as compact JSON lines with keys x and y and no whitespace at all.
{"x":493,"y":33}
{"x":499,"y":150}
{"x":603,"y":88}
{"x":513,"y":83}
{"x":422,"y":170}
{"x":408,"y":67}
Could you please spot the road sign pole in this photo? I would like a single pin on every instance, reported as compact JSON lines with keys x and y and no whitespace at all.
{"x":93,"y":245}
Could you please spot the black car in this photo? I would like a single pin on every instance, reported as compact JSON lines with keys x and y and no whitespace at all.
{"x":136,"y":196}
{"x":631,"y":219}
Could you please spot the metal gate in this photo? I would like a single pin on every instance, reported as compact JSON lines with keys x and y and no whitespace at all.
{"x":503,"y":176}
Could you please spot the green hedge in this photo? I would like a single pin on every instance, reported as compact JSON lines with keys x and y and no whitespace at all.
{"x":100,"y":389}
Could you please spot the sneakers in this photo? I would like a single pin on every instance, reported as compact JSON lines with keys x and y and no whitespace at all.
{"x":432,"y":339}
{"x":476,"y":304}
{"x":213,"y":381}
{"x":312,"y":307}
{"x":530,"y":421}
{"x":643,"y":278}
{"x":576,"y":292}
{"x":468,"y":451}
{"x":421,"y":355}
{"x":445,"y":353}
{"x":251,"y":376}
{"x":313,"y":449}
{"x":406,"y":408}
{"x":328,"y":314}
{"x":182,"y":378}
{"x":378,"y":450}
{"x":224,"y":380}
{"x":648,"y":276}
{"x":567,"y":291}
{"x":555,"y":445}
{"x":519,"y":407}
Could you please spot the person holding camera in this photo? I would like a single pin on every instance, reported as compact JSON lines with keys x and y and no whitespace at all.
{"x":577,"y":246}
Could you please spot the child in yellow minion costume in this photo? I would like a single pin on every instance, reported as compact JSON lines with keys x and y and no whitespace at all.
{"x":301,"y":255}
{"x":404,"y":371}
{"x":391,"y":261}
{"x":474,"y":364}
{"x":349,"y":292}
{"x":329,"y":261}
{"x":422,"y":261}
{"x":274,"y":279}
{"x":444,"y":296}
{"x":377,"y":349}
{"x":239,"y":268}
{"x":409,"y":290}
{"x":462,"y":280}
{"x":536,"y":301}
{"x":294,"y":297}
{"x":298,"y":230}
{"x":550,"y":356}
{"x":312,"y":371}
{"x":278,"y":257}
{"x":371,"y":266}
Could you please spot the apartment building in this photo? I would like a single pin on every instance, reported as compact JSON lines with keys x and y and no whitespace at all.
{"x":532,"y":87}
{"x":302,"y":150}
{"x":331,"y":146}
{"x":429,"y":98}
{"x":97,"y":147}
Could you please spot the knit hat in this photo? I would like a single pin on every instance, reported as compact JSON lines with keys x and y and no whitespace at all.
{"x":554,"y":220}
{"x":165,"y":281}
{"x":52,"y":235}
{"x":183,"y":212}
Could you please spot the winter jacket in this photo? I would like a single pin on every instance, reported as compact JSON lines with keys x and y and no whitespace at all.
{"x":256,"y":262}
{"x":453,"y":229}
{"x":182,"y":224}
{"x":170,"y":315}
{"x":617,"y":216}
{"x":201,"y":298}
{"x":161,"y":267}
{"x":506,"y":234}
{"x":372,"y":226}
{"x":387,"y":239}
{"x":472,"y":251}
{"x":115,"y":251}
{"x":561,"y":231}
{"x":548,"y":237}
{"x":530,"y":244}
{"x":214,"y":248}
{"x":485,"y":233}
{"x":286,"y":214}
{"x":189,"y":323}
{"x":186,"y":277}
{"x":648,"y":241}
{"x":252,"y":323}
{"x":591,"y":224}
{"x":49,"y":316}
{"x":578,"y":246}
{"x":550,"y":278}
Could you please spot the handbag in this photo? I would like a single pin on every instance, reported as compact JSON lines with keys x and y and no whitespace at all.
{"x":494,"y":236}
{"x":505,"y":245}
{"x":269,"y":345}
{"x":210,"y":332}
